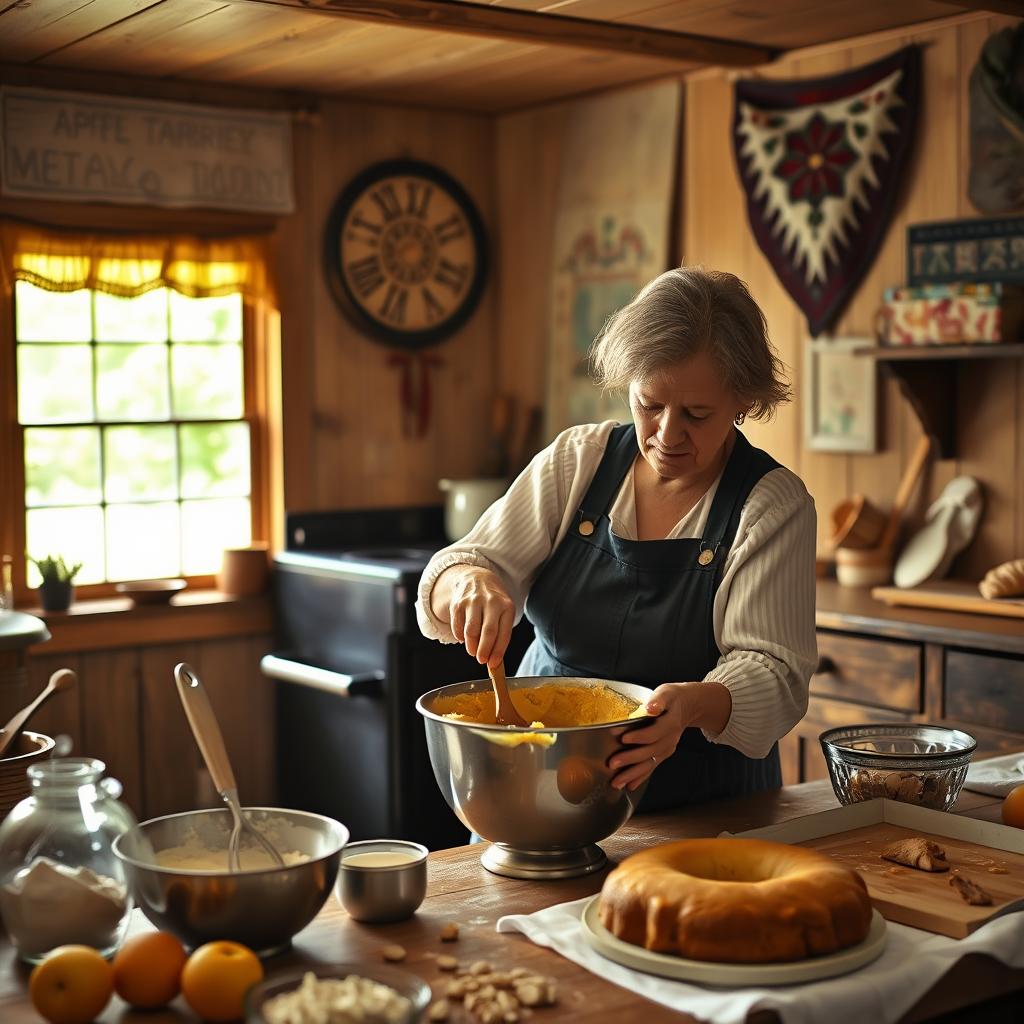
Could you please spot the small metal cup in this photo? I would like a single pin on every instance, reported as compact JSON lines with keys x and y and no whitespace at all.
{"x":379,"y":894}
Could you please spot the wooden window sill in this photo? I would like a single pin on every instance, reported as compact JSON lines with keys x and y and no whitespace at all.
{"x":91,"y":625}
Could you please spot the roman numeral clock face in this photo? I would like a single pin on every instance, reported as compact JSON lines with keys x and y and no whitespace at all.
{"x":405,"y":253}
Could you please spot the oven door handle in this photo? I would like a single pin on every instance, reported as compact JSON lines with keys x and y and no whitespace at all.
{"x":341,"y":684}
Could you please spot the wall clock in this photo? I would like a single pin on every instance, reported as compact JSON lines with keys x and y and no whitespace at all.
{"x":405,"y":253}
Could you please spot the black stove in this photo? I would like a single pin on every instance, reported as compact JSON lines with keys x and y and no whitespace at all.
{"x":352,"y":662}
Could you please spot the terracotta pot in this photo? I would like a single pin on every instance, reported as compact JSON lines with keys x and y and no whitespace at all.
{"x":244,"y":571}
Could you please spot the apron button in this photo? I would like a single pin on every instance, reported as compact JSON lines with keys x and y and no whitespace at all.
{"x":586,"y":527}
{"x":706,"y":556}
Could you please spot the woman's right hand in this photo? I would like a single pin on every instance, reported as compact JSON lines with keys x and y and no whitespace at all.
{"x":478,"y":608}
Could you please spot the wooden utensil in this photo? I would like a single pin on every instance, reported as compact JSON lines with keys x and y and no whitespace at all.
{"x":504,"y":710}
{"x":62,"y":679}
{"x":906,"y":488}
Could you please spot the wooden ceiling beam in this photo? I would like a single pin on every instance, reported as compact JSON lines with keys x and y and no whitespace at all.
{"x":510,"y":24}
{"x":1015,"y":8}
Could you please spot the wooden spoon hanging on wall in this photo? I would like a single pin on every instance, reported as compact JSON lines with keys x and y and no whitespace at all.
{"x":504,"y":710}
{"x":906,"y":488}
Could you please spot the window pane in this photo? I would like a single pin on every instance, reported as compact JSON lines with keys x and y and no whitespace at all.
{"x":54,"y":383}
{"x":214,"y":460}
{"x":140,"y":319}
{"x":143,"y":541}
{"x":131,"y":382}
{"x":207,"y":381}
{"x":51,"y":316}
{"x":208,"y":527}
{"x":140,"y":463}
{"x":74,"y":533}
{"x":62,"y":466}
{"x":214,"y":319}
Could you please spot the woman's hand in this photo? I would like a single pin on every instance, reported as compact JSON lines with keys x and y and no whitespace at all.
{"x":706,"y":705}
{"x":478,"y":608}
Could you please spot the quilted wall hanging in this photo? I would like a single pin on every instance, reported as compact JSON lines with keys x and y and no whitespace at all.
{"x":821,"y":161}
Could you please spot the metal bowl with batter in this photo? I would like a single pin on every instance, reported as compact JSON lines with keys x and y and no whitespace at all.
{"x":262,"y":907}
{"x":543,"y":805}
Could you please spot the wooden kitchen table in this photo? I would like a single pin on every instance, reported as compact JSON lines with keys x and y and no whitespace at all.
{"x":461,"y":890}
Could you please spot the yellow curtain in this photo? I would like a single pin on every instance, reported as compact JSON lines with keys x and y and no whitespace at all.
{"x":131,"y":265}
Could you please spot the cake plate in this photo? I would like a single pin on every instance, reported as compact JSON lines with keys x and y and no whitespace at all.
{"x":705,"y":972}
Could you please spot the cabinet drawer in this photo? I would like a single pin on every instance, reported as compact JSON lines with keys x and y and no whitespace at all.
{"x":882,"y":673}
{"x":985,"y":689}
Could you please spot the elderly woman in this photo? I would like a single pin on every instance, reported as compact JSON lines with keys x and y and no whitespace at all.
{"x":667,"y":551}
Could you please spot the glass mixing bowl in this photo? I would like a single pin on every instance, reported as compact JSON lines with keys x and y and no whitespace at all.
{"x":916,"y":764}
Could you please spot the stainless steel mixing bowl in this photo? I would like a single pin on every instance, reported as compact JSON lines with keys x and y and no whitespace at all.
{"x":261,"y":908}
{"x":543,"y":808}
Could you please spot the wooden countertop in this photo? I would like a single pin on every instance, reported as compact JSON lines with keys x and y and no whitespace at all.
{"x":461,"y":890}
{"x":854,"y":610}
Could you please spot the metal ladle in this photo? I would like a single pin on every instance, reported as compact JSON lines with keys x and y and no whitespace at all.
{"x":208,"y":736}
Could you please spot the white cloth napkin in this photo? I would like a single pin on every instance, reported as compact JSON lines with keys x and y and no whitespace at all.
{"x":882,"y":991}
{"x":996,"y":776}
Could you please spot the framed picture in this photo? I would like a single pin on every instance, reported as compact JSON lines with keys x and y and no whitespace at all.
{"x":840,"y":396}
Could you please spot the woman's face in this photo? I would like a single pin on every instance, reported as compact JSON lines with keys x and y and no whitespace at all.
{"x":683,"y":416}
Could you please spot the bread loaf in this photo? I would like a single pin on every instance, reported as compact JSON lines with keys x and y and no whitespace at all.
{"x":1006,"y":580}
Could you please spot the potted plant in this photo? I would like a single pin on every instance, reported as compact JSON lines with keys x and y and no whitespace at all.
{"x":57,"y":587}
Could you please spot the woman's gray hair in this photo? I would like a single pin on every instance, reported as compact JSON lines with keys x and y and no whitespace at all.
{"x":689,"y":310}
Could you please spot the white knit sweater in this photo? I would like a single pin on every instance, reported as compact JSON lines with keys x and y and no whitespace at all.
{"x":764,"y":608}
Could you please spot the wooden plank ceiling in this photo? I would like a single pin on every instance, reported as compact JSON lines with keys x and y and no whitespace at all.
{"x":489,"y":58}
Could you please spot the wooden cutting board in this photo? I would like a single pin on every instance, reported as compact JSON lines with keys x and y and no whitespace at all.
{"x":924,"y":899}
{"x":950,"y":596}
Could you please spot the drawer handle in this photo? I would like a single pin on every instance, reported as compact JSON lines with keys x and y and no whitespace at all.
{"x":825,"y":665}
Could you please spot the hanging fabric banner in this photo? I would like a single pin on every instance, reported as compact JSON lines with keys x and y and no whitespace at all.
{"x":821,"y":161}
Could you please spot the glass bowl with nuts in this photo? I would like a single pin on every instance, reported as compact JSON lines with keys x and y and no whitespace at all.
{"x":369,"y":993}
{"x":913,"y":763}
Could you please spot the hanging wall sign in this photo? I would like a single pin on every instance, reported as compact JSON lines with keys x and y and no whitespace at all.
{"x":84,"y":147}
{"x":821,"y":161}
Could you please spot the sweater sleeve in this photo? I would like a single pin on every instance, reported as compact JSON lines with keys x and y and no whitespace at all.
{"x":517,"y":534}
{"x":764,"y":615}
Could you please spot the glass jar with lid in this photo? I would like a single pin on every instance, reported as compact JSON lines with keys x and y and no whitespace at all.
{"x":60,"y":881}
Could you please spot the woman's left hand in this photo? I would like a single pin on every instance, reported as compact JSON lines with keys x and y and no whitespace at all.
{"x":706,"y":705}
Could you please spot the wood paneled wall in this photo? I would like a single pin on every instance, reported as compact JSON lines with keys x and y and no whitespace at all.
{"x":713,"y":230}
{"x":990,"y":442}
{"x":343,"y":428}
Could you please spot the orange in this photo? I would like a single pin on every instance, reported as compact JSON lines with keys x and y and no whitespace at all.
{"x":72,"y":985}
{"x":216,"y":978}
{"x":147,"y":970}
{"x":1013,"y":807}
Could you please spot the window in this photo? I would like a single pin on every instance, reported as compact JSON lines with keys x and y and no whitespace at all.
{"x":136,"y":430}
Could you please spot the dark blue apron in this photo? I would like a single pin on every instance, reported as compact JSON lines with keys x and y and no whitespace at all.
{"x":641,"y":611}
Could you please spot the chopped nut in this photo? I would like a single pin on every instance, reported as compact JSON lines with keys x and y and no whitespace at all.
{"x":439,"y":1010}
{"x":455,"y":989}
{"x":447,"y":963}
{"x":519,"y":972}
{"x":450,"y":932}
{"x":491,"y":1013}
{"x":530,"y":993}
{"x":480,"y":967}
{"x":507,"y":1001}
{"x":393,"y":953}
{"x":500,"y":979}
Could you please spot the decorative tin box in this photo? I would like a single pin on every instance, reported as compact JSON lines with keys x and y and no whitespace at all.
{"x":951,"y":314}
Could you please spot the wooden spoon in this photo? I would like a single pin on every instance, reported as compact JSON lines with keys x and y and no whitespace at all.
{"x":62,"y":679}
{"x":504,"y":710}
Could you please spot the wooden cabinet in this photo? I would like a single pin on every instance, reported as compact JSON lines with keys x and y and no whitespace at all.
{"x":881,"y":664}
{"x":126,"y":712}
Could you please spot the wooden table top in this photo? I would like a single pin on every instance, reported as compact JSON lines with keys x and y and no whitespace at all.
{"x":461,"y":890}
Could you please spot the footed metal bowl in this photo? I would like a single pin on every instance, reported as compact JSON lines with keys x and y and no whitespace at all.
{"x":262,"y":908}
{"x":543,"y":807}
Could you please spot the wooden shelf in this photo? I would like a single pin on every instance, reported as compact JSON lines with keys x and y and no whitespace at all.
{"x":925,"y":353}
{"x":927,"y":378}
